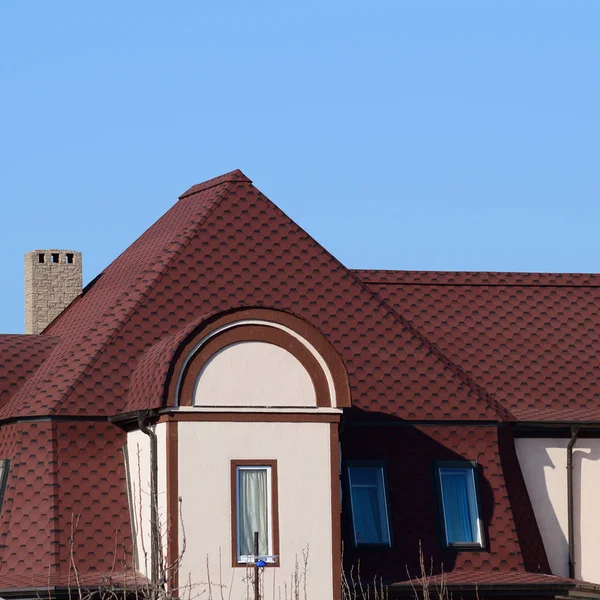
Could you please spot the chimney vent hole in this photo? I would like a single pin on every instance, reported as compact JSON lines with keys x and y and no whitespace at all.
{"x":69,"y":259}
{"x":41,"y":258}
{"x":55,"y":257}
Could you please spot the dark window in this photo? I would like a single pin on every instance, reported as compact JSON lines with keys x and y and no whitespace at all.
{"x":69,"y":259}
{"x":4,"y":469}
{"x":368,"y":503}
{"x":41,"y":258}
{"x":55,"y":257}
{"x":457,"y":484}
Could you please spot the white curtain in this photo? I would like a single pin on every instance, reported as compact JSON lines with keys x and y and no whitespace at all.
{"x":253,"y":511}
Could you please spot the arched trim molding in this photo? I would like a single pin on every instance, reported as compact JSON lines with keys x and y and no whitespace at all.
{"x":306,"y":344}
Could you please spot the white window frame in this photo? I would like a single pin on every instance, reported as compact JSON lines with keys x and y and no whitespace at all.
{"x":250,"y":558}
{"x":381,"y":493}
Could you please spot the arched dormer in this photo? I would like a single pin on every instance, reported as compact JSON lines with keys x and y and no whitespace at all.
{"x":260,"y":358}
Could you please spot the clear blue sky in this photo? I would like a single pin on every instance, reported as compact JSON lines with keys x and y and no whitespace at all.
{"x":405,"y":135}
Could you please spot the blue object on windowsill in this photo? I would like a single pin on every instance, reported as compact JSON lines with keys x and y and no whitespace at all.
{"x":261,"y":563}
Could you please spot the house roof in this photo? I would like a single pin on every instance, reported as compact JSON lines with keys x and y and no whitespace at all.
{"x":530,"y":339}
{"x":426,"y":347}
{"x":223,"y":246}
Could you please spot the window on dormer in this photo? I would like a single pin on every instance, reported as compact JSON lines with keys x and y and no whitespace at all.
{"x":368,"y":504}
{"x":4,"y":469}
{"x":459,"y":504}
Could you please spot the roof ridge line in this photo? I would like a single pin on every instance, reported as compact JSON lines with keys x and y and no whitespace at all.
{"x":439,"y":278}
{"x":235,"y":176}
{"x":494,"y":404}
{"x":160,"y":273}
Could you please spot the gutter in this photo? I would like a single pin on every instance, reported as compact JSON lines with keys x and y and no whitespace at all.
{"x":570,"y":508}
{"x":143,"y":422}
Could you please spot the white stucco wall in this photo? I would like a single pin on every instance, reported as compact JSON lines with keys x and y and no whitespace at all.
{"x":138,"y":447}
{"x":254,"y":374}
{"x":302,"y":451}
{"x":544,"y":466}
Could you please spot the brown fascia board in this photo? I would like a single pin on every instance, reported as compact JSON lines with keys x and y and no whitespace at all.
{"x":589,"y":429}
{"x":421,"y":423}
{"x":128,"y":421}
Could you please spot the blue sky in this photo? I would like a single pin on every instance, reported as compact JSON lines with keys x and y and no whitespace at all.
{"x":404,"y":135}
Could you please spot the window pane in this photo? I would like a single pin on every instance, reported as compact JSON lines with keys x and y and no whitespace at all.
{"x":4,"y":467}
{"x":365,"y":476}
{"x":369,"y":510}
{"x":460,"y":506}
{"x":253,"y":511}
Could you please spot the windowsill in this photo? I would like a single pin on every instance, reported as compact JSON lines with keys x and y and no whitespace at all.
{"x":250,"y":564}
{"x":468,"y":546}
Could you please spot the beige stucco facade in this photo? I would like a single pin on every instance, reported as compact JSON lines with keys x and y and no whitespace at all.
{"x":253,"y":401}
{"x":544,"y":466}
{"x":302,"y":451}
{"x":138,"y":450}
{"x":249,"y":373}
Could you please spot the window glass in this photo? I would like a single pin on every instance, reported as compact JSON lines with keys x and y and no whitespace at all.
{"x":459,"y":503}
{"x":4,"y":468}
{"x":369,"y":507}
{"x":253,"y":511}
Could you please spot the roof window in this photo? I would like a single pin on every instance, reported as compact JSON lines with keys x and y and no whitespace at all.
{"x":459,"y":505}
{"x":4,"y":468}
{"x":368,"y":503}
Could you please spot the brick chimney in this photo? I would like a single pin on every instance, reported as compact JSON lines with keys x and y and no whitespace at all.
{"x":53,"y":280}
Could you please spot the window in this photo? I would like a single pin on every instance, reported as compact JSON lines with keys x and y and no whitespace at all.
{"x":368,"y":503}
{"x":4,"y":468}
{"x":459,"y":504}
{"x":254,"y":502}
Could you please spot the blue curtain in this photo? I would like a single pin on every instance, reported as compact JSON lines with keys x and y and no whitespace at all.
{"x":368,"y":505}
{"x":460,"y":509}
{"x":367,"y":515}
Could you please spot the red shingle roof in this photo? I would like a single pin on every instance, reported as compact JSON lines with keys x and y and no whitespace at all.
{"x":20,"y":356}
{"x":225,"y":245}
{"x":488,"y":579}
{"x":529,"y":339}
